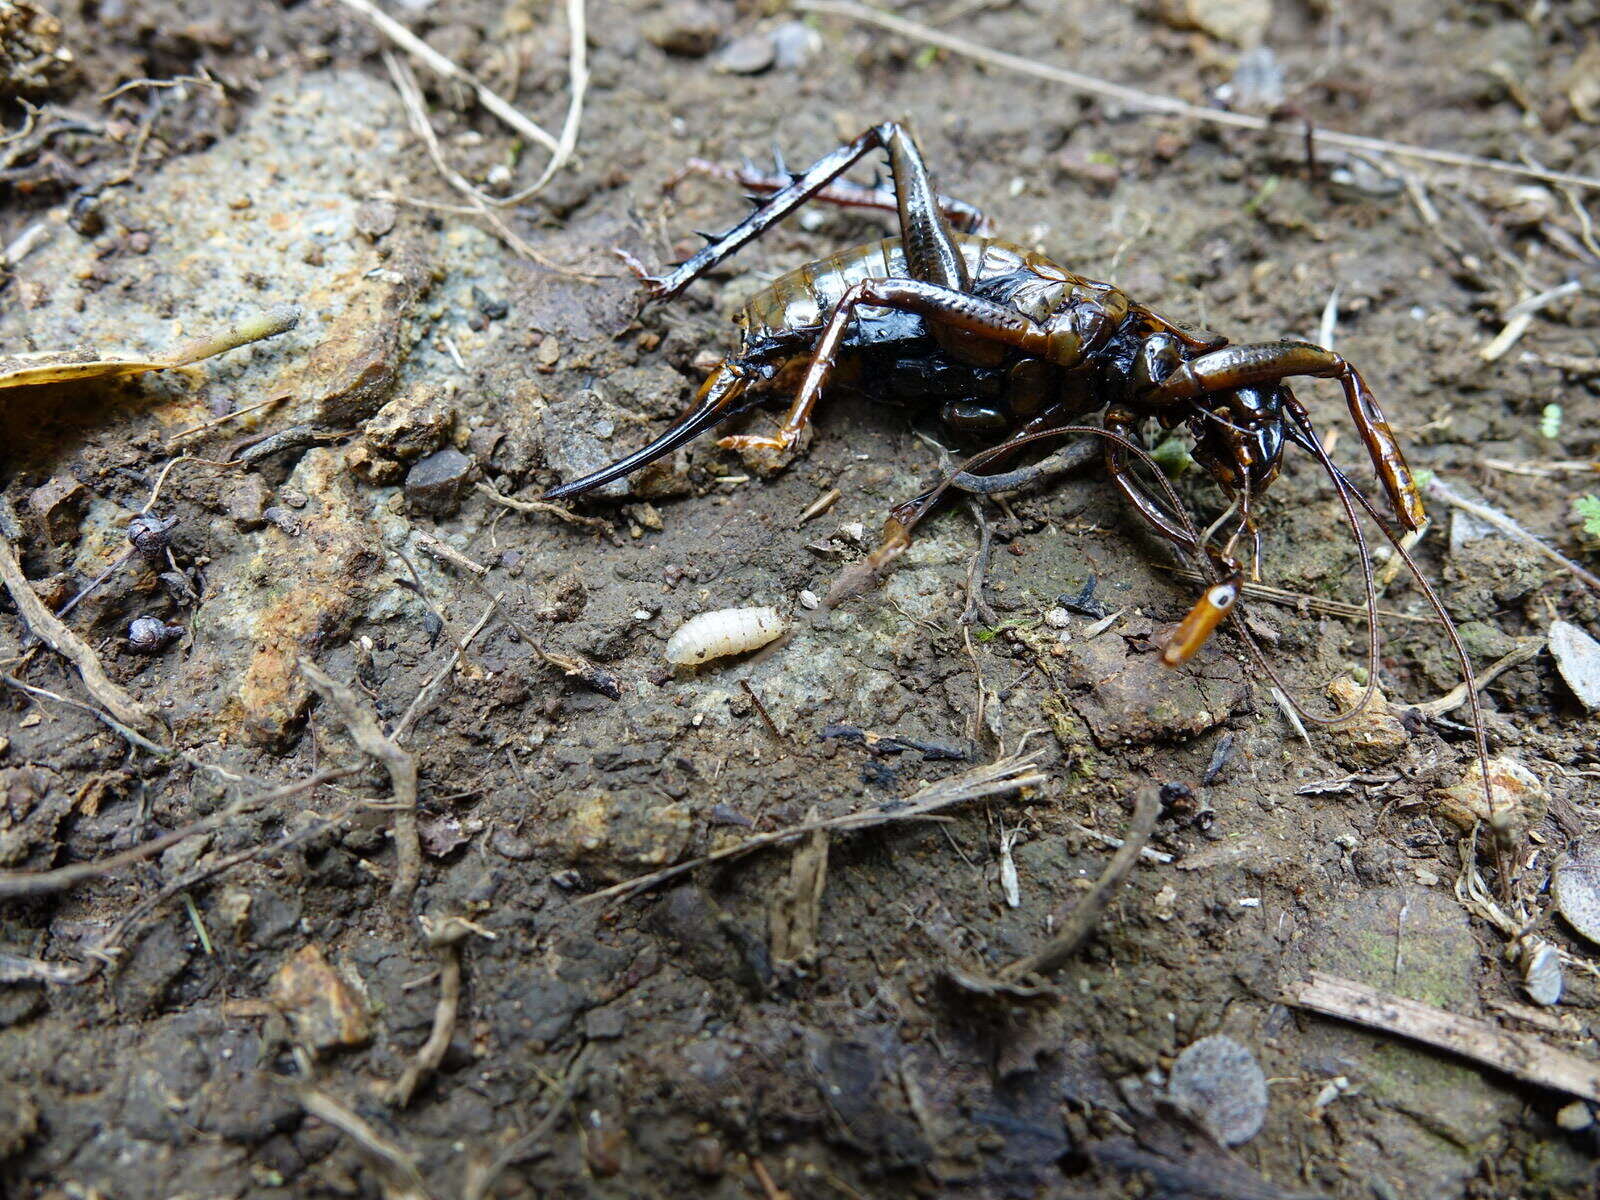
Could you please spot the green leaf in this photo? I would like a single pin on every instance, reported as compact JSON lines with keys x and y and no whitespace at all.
{"x":1587,"y":510}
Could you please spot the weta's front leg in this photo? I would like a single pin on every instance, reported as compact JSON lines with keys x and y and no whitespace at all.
{"x":1273,"y":362}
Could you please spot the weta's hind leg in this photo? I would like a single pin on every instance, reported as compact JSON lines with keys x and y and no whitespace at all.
{"x":931,"y":253}
{"x":761,"y":186}
{"x":719,"y":398}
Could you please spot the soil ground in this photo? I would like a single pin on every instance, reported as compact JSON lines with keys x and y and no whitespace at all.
{"x":667,"y":1045}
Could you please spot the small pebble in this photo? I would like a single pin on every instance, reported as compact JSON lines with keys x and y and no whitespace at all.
{"x":1219,"y":1083}
{"x":808,"y":599}
{"x":149,"y":635}
{"x":1575,"y":1116}
{"x":793,"y":45}
{"x":1541,"y":974}
{"x":748,"y":55}
{"x":376,"y":218}
{"x":1058,"y":618}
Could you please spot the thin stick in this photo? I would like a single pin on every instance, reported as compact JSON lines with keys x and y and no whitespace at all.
{"x":369,"y":737}
{"x":223,"y":419}
{"x":1004,"y":776}
{"x":545,"y":507}
{"x":1154,"y":102}
{"x":396,"y":1166}
{"x":429,"y":694}
{"x":1457,"y":696}
{"x":417,"y":48}
{"x":1518,"y":1054}
{"x":1085,"y":915}
{"x":444,"y":550}
{"x":480,"y":1182}
{"x":55,"y":634}
{"x":446,"y":937}
{"x":43,"y":883}
{"x":1438,"y":487}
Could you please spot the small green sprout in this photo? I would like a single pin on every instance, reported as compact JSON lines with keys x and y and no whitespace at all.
{"x":1587,"y":510}
{"x":926,"y":57}
{"x":1550,"y":422}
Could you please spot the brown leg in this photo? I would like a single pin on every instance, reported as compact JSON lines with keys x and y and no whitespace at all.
{"x":1271,"y":362}
{"x":940,"y":306}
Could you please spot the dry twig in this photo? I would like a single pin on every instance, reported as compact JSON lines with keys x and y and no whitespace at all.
{"x":43,"y":883}
{"x":445,"y":937}
{"x":417,"y":48}
{"x":1085,"y":914}
{"x":369,"y":737}
{"x":1143,"y":101}
{"x":396,"y":1167}
{"x":545,"y":507}
{"x":1457,"y":696}
{"x":1007,"y":775}
{"x":1517,"y":1054}
{"x":50,"y":630}
{"x":1493,"y":516}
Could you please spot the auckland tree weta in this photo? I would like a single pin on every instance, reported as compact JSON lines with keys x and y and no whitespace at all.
{"x":1017,"y":350}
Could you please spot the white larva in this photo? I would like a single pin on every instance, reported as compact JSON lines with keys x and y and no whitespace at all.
{"x":724,"y":632}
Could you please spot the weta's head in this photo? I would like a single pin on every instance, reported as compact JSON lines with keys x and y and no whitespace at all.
{"x":1239,"y":437}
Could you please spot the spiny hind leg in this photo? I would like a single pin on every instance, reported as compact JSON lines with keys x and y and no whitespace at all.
{"x":931,"y":253}
{"x":760,"y":186}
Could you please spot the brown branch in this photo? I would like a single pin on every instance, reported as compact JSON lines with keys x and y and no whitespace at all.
{"x":55,"y":634}
{"x":362,"y":724}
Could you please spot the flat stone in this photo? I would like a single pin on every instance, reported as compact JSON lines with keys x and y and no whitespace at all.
{"x":1577,"y":657}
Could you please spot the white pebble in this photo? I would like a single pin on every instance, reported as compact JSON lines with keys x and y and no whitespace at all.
{"x":724,"y":632}
{"x":1058,"y":618}
{"x":808,"y":599}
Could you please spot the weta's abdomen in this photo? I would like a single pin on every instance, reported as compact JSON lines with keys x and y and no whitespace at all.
{"x":801,"y":301}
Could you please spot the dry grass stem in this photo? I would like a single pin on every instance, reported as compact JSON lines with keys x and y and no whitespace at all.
{"x":55,"y":634}
{"x":1154,"y":102}
{"x":362,"y":724}
{"x":1003,"y":777}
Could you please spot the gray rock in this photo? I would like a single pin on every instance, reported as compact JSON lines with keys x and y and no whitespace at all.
{"x":749,"y":55}
{"x":1577,"y":657}
{"x":435,"y":484}
{"x":1219,"y":1083}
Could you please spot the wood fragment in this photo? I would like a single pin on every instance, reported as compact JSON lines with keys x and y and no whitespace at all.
{"x":55,"y":634}
{"x":1518,"y":1054}
{"x":445,"y":937}
{"x":362,"y":724}
{"x":1002,"y":777}
{"x":797,"y":911}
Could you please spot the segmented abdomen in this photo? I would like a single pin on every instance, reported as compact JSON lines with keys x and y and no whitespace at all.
{"x":803,"y":299}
